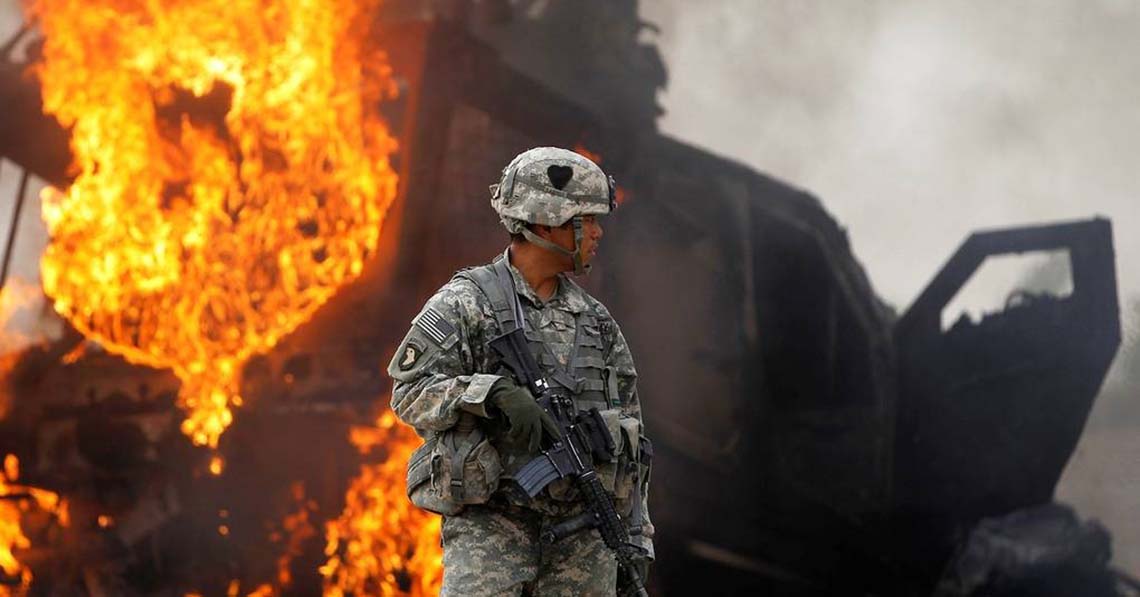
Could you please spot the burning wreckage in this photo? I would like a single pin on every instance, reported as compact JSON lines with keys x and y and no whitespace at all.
{"x":836,"y":448}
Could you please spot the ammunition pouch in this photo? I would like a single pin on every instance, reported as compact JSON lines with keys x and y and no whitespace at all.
{"x":618,"y":473}
{"x":626,"y":471}
{"x":639,"y":523}
{"x":453,"y":469}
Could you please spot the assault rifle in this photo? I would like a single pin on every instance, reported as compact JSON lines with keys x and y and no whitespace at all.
{"x":583,"y":436}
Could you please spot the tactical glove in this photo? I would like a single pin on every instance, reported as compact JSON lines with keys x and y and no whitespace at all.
{"x":526,"y":417}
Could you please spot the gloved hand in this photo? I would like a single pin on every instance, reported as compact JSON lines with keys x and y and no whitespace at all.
{"x":526,"y":417}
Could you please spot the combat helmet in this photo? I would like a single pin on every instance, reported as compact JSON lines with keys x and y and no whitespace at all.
{"x":550,"y":186}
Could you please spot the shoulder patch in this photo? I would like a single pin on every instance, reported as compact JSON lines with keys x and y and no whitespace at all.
{"x":412,"y":353}
{"x":432,"y":323}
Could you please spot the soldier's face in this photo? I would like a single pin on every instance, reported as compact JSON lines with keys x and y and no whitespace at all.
{"x":591,"y":234}
{"x":563,"y":236}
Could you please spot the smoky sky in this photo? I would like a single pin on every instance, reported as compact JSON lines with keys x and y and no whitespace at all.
{"x":917,"y":122}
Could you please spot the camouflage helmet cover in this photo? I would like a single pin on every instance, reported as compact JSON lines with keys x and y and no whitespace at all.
{"x":549,"y":186}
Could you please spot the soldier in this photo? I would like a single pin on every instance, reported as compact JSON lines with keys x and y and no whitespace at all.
{"x":480,"y":426}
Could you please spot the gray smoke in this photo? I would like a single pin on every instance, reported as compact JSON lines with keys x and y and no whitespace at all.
{"x":918,"y":122}
{"x":25,"y":254}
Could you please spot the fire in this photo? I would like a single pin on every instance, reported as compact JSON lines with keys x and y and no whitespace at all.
{"x":381,"y":544}
{"x":263,"y":591}
{"x":14,"y":500}
{"x":593,"y":156}
{"x":299,"y":529}
{"x":232,"y":173}
{"x":234,"y":590}
{"x":621,"y":195}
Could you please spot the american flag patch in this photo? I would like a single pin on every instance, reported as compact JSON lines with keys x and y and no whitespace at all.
{"x":434,"y":325}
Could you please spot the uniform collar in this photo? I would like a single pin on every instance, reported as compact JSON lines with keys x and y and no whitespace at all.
{"x":567,"y":295}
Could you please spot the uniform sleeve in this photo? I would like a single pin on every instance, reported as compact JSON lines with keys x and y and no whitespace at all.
{"x":621,"y":360}
{"x":433,"y":370}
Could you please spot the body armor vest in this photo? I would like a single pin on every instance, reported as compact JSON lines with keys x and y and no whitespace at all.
{"x":587,"y":379}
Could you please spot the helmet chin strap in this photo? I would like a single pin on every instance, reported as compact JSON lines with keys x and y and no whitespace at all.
{"x":579,"y":267}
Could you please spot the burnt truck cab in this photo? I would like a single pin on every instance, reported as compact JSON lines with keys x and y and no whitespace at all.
{"x":991,"y":410}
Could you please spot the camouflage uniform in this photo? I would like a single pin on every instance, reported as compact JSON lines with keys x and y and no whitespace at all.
{"x":443,"y":372}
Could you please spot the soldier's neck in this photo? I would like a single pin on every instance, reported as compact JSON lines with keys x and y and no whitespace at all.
{"x":539,"y":267}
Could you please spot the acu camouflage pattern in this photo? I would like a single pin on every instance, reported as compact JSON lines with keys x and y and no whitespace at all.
{"x":533,"y":189}
{"x":450,"y":380}
{"x":494,"y":551}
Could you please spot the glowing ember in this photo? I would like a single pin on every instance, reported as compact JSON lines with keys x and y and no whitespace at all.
{"x":299,"y":528}
{"x":15,"y":499}
{"x":232,"y":174}
{"x":263,"y":591}
{"x":74,"y":354}
{"x":381,"y":544}
{"x":234,"y":590}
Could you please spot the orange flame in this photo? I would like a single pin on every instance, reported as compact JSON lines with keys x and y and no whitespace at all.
{"x":263,"y":591}
{"x":14,"y":500}
{"x":234,"y":590}
{"x":232,"y":174}
{"x":621,"y":195}
{"x":300,"y":530}
{"x":593,"y":156}
{"x":381,"y":544}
